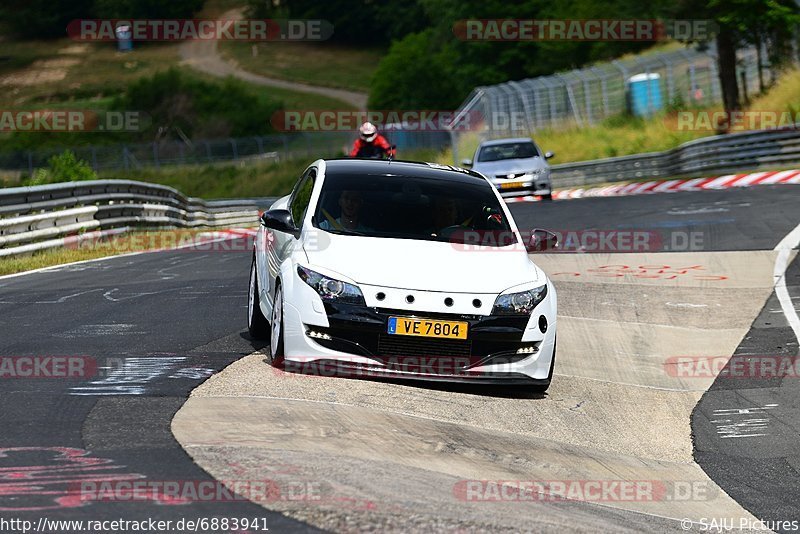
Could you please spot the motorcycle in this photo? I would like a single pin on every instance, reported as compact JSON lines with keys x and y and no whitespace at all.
{"x":374,"y":152}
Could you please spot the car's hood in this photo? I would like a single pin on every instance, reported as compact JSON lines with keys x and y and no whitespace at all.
{"x":490,"y":168}
{"x":423,"y":265}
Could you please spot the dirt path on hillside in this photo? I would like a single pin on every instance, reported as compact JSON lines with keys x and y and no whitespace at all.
{"x":205,"y":57}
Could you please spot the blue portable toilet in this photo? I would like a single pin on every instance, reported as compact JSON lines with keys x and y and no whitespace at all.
{"x":643,"y":93}
{"x":124,"y":38}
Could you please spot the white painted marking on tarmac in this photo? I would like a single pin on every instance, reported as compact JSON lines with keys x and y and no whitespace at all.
{"x":784,"y":250}
{"x":676,"y":211}
{"x":733,"y":426}
{"x":117,"y":329}
{"x":686,"y":305}
{"x":132,"y":377}
{"x":194,"y":373}
{"x":108,"y":294}
{"x":67,"y":297}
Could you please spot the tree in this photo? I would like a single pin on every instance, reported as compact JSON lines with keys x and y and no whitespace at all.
{"x":37,"y":19}
{"x":744,"y":22}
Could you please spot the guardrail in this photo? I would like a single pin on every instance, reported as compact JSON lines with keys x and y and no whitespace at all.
{"x":721,"y":153}
{"x":47,"y":216}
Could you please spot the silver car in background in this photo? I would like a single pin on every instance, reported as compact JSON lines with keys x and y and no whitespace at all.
{"x":515,"y":167}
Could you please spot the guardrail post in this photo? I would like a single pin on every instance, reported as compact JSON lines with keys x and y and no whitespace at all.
{"x":30,"y":163}
{"x":125,"y":163}
{"x":285,"y":146}
{"x":94,"y":159}
{"x":260,"y":143}
{"x":208,"y":151}
{"x":235,"y":149}
{"x":155,"y":155}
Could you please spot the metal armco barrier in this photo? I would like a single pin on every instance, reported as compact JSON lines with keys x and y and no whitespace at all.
{"x":722,"y":153}
{"x":41,"y":217}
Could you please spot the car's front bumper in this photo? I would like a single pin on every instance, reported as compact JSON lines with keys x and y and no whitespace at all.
{"x":356,"y":343}
{"x":511,"y":188}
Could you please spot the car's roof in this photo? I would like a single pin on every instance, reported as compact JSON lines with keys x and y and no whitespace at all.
{"x":415,"y":169}
{"x":508,"y":140}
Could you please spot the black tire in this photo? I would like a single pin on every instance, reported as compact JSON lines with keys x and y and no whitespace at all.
{"x":542,"y":388}
{"x":276,"y":355}
{"x":548,"y":197}
{"x":257,"y":324}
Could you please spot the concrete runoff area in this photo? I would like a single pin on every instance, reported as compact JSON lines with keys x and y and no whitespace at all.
{"x":392,"y":455}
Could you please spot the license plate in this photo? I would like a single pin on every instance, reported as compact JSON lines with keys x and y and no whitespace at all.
{"x":410,"y":326}
{"x":511,"y":185}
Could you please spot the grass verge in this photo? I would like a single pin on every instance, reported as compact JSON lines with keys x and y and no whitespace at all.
{"x":323,"y":64}
{"x":223,"y":181}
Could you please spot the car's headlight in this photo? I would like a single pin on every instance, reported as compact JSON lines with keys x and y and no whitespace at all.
{"x":331,"y":289}
{"x":521,"y":303}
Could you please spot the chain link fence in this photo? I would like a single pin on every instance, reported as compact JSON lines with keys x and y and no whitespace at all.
{"x":680,"y":78}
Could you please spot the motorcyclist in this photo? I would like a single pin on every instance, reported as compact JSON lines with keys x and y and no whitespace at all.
{"x":371,"y":144}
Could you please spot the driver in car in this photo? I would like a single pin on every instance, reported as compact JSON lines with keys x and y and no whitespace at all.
{"x":445,"y":217}
{"x":350,"y":203}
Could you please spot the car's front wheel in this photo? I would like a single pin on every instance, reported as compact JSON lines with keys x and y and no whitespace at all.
{"x":257,"y":324}
{"x":276,"y":339}
{"x":548,"y":197}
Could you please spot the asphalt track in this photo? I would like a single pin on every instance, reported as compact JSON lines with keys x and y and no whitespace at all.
{"x":158,"y":325}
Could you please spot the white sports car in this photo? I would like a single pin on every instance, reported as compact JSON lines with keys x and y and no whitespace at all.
{"x":388,"y":268}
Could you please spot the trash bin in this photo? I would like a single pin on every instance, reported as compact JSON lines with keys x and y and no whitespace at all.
{"x":643,"y":93}
{"x":124,"y":38}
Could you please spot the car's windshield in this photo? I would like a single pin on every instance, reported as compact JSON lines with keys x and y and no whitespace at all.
{"x":508,"y":151}
{"x":410,"y":208}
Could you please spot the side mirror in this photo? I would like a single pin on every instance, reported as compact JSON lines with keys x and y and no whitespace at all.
{"x":542,"y":241}
{"x":466,"y":163}
{"x":548,"y":155}
{"x":280,"y":220}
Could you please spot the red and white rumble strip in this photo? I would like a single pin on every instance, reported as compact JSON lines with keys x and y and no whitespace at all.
{"x":672,"y":186}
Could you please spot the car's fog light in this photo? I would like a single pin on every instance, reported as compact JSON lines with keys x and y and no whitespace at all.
{"x":543,"y":323}
{"x":318,"y":335}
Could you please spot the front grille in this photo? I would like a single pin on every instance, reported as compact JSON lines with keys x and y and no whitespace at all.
{"x":509,"y":175}
{"x":429,"y":315}
{"x":392,"y":345}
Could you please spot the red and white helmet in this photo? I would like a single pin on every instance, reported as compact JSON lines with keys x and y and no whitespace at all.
{"x":368,"y":132}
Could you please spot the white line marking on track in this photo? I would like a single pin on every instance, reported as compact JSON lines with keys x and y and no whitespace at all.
{"x":784,"y":250}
